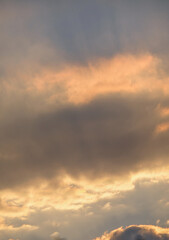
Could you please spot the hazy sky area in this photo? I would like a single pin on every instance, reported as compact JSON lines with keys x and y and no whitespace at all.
{"x":84,"y":123}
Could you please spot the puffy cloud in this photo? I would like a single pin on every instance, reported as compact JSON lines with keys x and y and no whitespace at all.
{"x":56,"y":236}
{"x":140,"y":232}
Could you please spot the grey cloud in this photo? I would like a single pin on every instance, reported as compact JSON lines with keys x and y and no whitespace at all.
{"x":138,"y":233}
{"x":48,"y":33}
{"x":111,"y":135}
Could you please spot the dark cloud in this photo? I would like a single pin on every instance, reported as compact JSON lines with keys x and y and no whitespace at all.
{"x":111,"y":135}
{"x":140,"y":232}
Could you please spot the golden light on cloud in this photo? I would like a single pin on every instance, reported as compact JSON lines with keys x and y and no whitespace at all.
{"x":120,"y":74}
{"x":123,"y":73}
{"x":162,"y":127}
{"x":79,"y":84}
{"x":71,"y":194}
{"x":164,"y":112}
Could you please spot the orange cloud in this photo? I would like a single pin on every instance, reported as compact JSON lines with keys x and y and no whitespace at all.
{"x":164,"y":112}
{"x":77,"y":84}
{"x":126,"y":73}
{"x":80,"y":84}
{"x":162,"y":127}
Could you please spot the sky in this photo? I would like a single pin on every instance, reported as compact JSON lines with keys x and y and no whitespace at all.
{"x":84,"y":123}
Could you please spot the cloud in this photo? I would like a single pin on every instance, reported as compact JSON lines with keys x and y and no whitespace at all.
{"x":104,"y":76}
{"x":128,"y":206}
{"x":56,"y":236}
{"x":84,"y":106}
{"x":24,"y":227}
{"x":109,"y":135}
{"x":140,"y":232}
{"x":103,"y":135}
{"x":13,"y":239}
{"x":59,"y":32}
